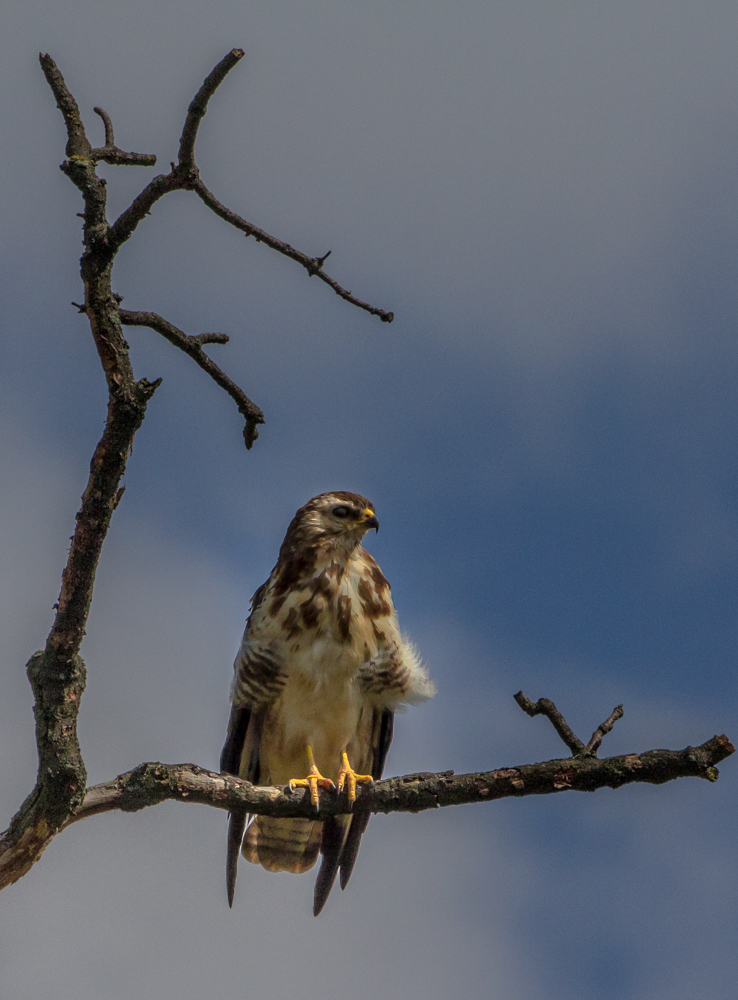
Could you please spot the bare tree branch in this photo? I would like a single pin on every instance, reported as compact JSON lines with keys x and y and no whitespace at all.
{"x":149,"y":784}
{"x":193,"y":347}
{"x":546,"y":707}
{"x":109,"y":137}
{"x":57,"y":674}
{"x":313,"y":265}
{"x":199,"y":105}
{"x":602,"y":731}
{"x":77,"y":142}
{"x":185,"y":176}
{"x":110,"y":153}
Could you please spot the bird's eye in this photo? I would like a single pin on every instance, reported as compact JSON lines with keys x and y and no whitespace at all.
{"x":341,"y":512}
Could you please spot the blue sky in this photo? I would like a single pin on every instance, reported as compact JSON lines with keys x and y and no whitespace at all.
{"x":547,"y":198}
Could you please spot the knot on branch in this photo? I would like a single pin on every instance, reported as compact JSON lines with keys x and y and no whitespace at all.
{"x":147,"y":389}
{"x":186,"y":176}
{"x":317,"y":264}
{"x":58,"y":681}
{"x":53,"y":675}
{"x":147,"y":784}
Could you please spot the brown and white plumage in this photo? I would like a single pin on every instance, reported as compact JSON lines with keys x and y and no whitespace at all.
{"x":322,"y":665}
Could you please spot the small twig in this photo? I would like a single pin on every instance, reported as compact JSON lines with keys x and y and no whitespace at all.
{"x":544,"y":706}
{"x":110,"y":153}
{"x":319,"y":261}
{"x":602,"y":731}
{"x":109,"y":137}
{"x":192,"y":346}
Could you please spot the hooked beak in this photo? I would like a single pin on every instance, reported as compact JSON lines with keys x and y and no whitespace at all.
{"x":370,"y":519}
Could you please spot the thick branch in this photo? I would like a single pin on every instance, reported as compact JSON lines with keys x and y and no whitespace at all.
{"x":57,"y":674}
{"x":150,"y":784}
{"x":193,"y":347}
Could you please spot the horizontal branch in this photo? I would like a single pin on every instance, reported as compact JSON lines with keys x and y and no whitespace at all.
{"x":150,"y":784}
{"x":192,"y":346}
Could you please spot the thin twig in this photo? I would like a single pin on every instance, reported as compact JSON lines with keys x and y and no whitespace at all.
{"x":544,"y":706}
{"x":184,"y":173}
{"x":192,"y":346}
{"x":602,"y":731}
{"x":109,"y":137}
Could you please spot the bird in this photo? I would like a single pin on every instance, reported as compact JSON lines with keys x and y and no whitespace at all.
{"x":320,"y":672}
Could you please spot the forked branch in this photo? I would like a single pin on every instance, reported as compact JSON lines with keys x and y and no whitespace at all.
{"x":544,"y":706}
{"x":192,"y":346}
{"x":185,"y":176}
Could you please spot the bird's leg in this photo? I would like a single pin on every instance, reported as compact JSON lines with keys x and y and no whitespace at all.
{"x":314,"y":780}
{"x":346,"y":772}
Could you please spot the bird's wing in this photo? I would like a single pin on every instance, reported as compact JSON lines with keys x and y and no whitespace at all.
{"x":394,"y":675}
{"x":258,"y":679}
{"x":342,"y":834}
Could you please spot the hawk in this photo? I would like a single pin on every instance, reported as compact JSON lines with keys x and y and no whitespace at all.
{"x":321,"y":670}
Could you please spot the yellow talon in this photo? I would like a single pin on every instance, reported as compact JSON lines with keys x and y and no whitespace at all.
{"x":314,"y":780}
{"x":346,"y":771}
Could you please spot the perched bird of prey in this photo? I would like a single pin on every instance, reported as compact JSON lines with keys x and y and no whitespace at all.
{"x":321,"y":669}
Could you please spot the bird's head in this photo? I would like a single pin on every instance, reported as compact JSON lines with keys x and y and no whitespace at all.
{"x":338,"y":518}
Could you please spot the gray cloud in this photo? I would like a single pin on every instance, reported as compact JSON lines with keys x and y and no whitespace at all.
{"x":546,"y":198}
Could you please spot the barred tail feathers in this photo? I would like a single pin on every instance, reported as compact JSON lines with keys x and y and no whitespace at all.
{"x":283,"y":845}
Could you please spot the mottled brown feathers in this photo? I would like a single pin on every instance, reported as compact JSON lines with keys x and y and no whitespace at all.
{"x":322,"y":664}
{"x":343,"y":616}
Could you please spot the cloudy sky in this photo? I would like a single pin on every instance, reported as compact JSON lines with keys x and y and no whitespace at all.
{"x":547,"y":197}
